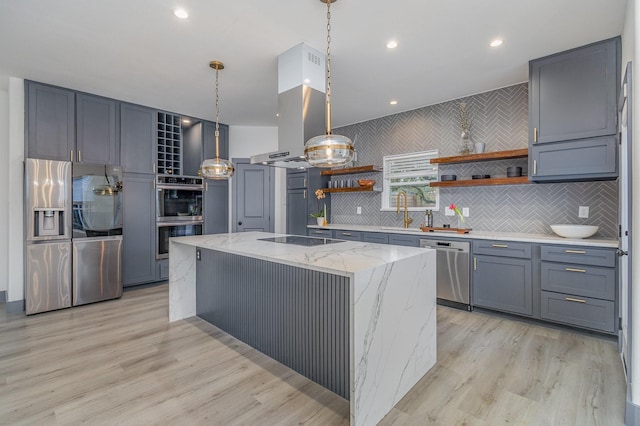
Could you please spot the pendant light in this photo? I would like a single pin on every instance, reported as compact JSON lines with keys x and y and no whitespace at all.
{"x":217,"y":168}
{"x":329,"y":150}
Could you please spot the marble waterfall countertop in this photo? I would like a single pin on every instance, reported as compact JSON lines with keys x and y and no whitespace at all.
{"x":479,"y":235}
{"x":392,"y":306}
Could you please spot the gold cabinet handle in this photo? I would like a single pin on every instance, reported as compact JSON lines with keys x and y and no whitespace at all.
{"x":535,"y":167}
{"x":71,"y":156}
{"x":305,"y":194}
{"x":304,"y":182}
{"x":154,"y":185}
{"x":500,"y":245}
{"x":575,"y":251}
{"x":206,"y":186}
{"x":475,"y":263}
{"x":575,"y":270}
{"x":535,"y":134}
{"x":572,"y":299}
{"x":319,"y":232}
{"x":346,"y":234}
{"x":79,"y":156}
{"x":153,"y":168}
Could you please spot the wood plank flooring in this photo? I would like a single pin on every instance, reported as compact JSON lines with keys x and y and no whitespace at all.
{"x":122,"y":362}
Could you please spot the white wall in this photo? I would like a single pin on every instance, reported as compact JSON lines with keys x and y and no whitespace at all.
{"x":15,"y":161}
{"x":245,"y":141}
{"x":4,"y":177}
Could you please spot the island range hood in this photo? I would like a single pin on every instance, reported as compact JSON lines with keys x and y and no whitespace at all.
{"x":301,"y":106}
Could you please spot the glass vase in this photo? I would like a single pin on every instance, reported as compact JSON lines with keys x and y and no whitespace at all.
{"x":466,"y":144}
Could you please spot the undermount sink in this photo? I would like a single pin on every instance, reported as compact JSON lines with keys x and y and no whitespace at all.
{"x":400,"y":228}
{"x":575,"y":231}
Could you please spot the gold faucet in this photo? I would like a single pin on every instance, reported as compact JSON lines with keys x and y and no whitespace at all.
{"x":407,"y":219}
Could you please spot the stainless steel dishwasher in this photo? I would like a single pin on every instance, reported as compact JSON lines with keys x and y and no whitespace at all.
{"x":452,"y":272}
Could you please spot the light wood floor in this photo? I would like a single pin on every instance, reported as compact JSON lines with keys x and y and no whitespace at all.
{"x":121,"y":362}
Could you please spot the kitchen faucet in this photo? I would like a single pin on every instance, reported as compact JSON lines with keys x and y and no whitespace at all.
{"x":407,"y":219}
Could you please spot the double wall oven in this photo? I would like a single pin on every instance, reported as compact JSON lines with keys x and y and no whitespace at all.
{"x":179,"y":209}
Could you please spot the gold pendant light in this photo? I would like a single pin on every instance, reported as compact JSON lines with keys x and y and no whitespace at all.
{"x":329,"y":150}
{"x":217,"y":168}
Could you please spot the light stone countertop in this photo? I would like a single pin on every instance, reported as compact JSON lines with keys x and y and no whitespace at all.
{"x":344,"y":258}
{"x":479,"y":235}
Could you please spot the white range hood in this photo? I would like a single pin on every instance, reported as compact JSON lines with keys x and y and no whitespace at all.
{"x":301,"y":105}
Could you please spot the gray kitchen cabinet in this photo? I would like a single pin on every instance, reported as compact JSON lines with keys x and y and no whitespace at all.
{"x":500,"y":281}
{"x":321,"y":233}
{"x":579,"y":287}
{"x":138,"y":229}
{"x":192,"y":148}
{"x":302,"y":201}
{"x":97,"y":140}
{"x":216,"y":207}
{"x":137,"y":139}
{"x":162,"y":269}
{"x":347,"y":235}
{"x":50,"y":122}
{"x":209,"y":140}
{"x":573,"y":114}
{"x":375,"y":237}
{"x":404,"y":240}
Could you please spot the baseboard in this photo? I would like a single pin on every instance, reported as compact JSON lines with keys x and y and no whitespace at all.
{"x":3,"y":296}
{"x":15,"y":307}
{"x":632,"y":411}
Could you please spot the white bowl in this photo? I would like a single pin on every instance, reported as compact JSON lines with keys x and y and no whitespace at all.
{"x":575,"y":231}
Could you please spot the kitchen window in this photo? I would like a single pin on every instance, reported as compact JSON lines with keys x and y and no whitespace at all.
{"x":412,"y":174}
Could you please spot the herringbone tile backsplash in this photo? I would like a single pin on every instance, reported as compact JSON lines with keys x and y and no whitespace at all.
{"x":499,"y":118}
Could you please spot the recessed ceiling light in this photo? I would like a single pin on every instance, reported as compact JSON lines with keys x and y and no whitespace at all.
{"x":186,"y":121}
{"x":392,"y":44}
{"x":393,"y":103}
{"x":181,"y":13}
{"x":495,"y":43}
{"x":307,"y":81}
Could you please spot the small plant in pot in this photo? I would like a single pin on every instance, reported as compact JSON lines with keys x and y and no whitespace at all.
{"x":321,"y":216}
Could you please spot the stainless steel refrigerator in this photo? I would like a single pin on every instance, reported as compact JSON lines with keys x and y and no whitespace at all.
{"x":73,"y":234}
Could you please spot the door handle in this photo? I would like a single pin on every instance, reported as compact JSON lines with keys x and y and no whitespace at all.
{"x":71,"y":156}
{"x":500,"y":245}
{"x":240,"y":223}
{"x":535,"y":134}
{"x":305,"y":194}
{"x":535,"y":167}
{"x":79,"y":156}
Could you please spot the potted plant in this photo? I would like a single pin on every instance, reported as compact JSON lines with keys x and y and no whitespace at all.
{"x":321,"y":216}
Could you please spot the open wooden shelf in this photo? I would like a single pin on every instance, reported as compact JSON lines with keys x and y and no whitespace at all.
{"x":355,"y":189}
{"x":486,"y":156}
{"x":520,"y":180}
{"x":350,"y":171}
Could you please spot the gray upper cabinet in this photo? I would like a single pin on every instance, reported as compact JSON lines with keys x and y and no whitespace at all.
{"x":192,"y":148}
{"x":573,"y":115}
{"x":296,"y":211}
{"x":137,"y":138}
{"x":138,"y":233}
{"x":50,"y":122}
{"x":96,"y":130}
{"x":216,"y":207}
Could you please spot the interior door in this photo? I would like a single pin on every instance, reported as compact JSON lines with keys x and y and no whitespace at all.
{"x":253,"y":197}
{"x":625,"y":112}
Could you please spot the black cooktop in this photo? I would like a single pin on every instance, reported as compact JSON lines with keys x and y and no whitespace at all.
{"x":301,"y":241}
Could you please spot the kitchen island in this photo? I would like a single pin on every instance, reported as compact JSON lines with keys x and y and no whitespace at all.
{"x":358,"y":318}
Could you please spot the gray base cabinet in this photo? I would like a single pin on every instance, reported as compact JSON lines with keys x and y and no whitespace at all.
{"x":97,"y":140}
{"x":503,"y":283}
{"x":138,"y":233}
{"x":216,"y":207}
{"x":573,"y":113}
{"x":50,"y":122}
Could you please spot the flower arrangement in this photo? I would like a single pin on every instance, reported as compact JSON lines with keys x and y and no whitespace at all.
{"x":323,"y":212}
{"x":457,"y":211}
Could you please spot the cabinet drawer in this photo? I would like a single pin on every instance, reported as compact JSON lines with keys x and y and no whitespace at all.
{"x":587,"y":281}
{"x":404,"y":240}
{"x":375,"y":237}
{"x":325,"y":233}
{"x":298,"y":180}
{"x":580,"y":311}
{"x":579,"y":255}
{"x":348,"y":235}
{"x":502,"y":248}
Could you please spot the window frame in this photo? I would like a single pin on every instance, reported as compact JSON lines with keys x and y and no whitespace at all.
{"x":421,"y":156}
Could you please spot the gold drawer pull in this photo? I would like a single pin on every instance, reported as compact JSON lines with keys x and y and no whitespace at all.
{"x":575,"y":251}
{"x":535,"y":134}
{"x":571,"y":299}
{"x":500,"y":245}
{"x":319,"y":232}
{"x":346,"y":234}
{"x":575,"y":270}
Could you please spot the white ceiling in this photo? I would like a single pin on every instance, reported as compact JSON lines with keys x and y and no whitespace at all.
{"x":139,"y":52}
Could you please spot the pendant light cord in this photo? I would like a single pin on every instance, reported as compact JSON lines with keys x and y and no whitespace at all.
{"x":328,"y":111}
{"x":217,"y":133}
